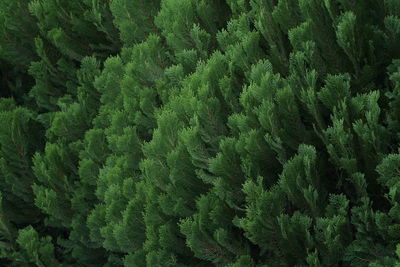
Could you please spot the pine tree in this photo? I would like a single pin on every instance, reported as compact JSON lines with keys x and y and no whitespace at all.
{"x":198,"y":133}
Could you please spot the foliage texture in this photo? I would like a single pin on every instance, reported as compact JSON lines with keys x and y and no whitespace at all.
{"x":200,"y":133}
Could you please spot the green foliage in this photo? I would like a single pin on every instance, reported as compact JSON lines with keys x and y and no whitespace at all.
{"x":34,"y":249}
{"x":199,"y":133}
{"x":20,"y":136}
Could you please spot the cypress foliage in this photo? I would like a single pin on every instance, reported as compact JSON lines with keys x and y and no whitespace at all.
{"x":199,"y":133}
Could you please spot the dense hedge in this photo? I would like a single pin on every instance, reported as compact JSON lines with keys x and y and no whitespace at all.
{"x":199,"y":133}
